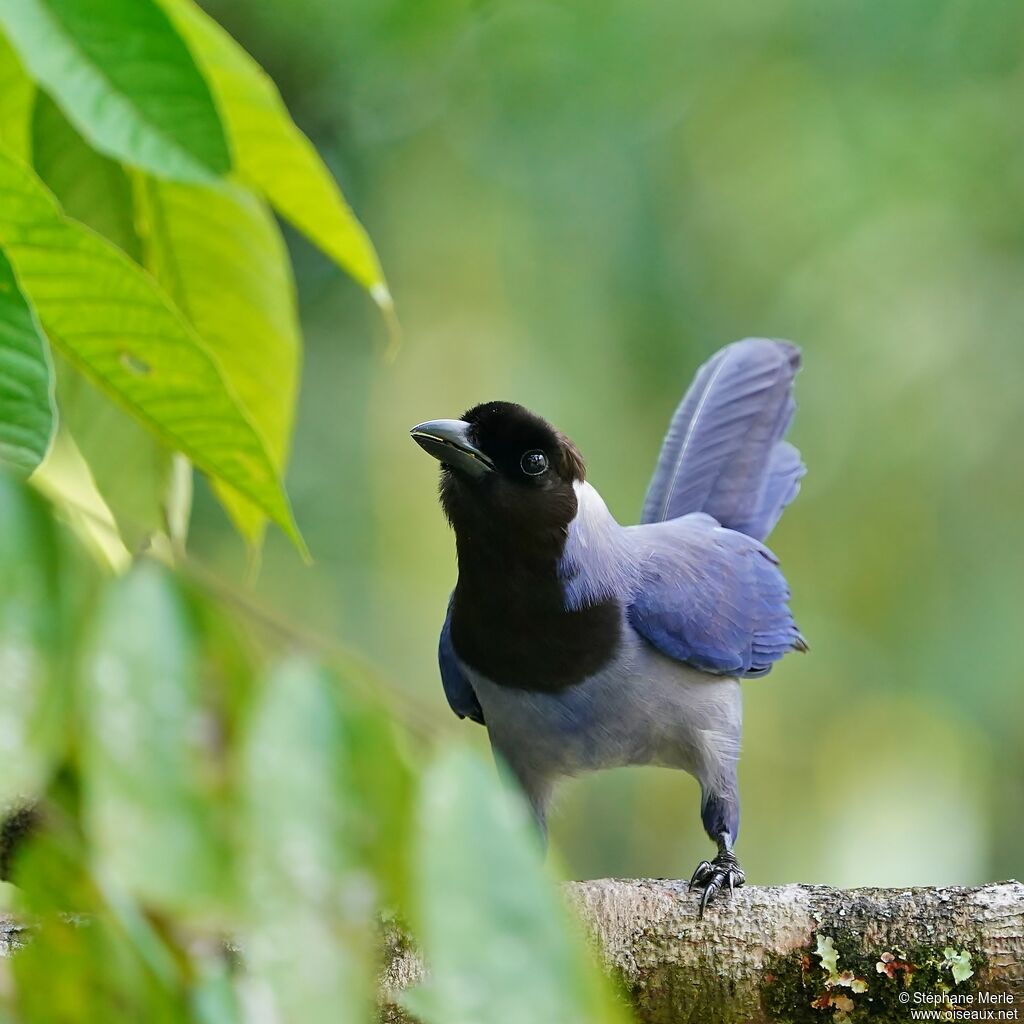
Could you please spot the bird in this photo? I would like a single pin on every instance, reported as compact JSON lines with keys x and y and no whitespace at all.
{"x":581,"y":644}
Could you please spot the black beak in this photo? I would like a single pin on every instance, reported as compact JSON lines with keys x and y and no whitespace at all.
{"x":448,"y":441}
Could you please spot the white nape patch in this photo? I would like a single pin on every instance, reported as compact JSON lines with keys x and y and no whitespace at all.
{"x":598,"y":561}
{"x":592,"y":515}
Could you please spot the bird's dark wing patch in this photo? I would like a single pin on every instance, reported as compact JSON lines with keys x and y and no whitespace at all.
{"x":711,"y":597}
{"x":457,"y":688}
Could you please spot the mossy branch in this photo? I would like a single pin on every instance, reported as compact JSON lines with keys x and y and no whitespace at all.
{"x":796,"y":953}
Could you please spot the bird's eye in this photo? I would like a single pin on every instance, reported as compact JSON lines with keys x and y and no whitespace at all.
{"x":534,"y":463}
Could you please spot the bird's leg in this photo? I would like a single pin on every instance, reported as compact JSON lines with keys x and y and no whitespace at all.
{"x":713,"y":875}
{"x":720,"y":812}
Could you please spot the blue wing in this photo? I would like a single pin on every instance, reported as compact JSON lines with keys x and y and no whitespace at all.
{"x":457,"y":688}
{"x":724,"y":453}
{"x":711,"y":597}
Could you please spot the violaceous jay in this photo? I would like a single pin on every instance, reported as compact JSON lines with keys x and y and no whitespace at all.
{"x":582,"y":644}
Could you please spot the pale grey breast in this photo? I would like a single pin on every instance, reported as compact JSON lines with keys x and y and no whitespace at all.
{"x":642,"y":708}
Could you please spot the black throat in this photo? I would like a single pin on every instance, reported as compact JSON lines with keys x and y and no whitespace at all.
{"x":509,"y":620}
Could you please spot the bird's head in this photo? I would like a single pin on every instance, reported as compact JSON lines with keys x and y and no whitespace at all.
{"x":504,"y":472}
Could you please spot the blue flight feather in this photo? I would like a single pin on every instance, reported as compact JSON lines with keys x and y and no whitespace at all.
{"x":782,"y":484}
{"x":724,"y":453}
{"x":457,"y":688}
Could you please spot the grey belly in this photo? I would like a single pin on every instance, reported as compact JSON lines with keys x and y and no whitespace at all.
{"x":643,"y":708}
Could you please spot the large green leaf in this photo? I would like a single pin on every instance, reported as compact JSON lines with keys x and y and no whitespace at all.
{"x":31,"y":701}
{"x":109,"y":318}
{"x":311,"y":900}
{"x":16,"y":92}
{"x":499,"y":943}
{"x":146,"y":758}
{"x":130,"y":467}
{"x":219,"y":254}
{"x":272,"y":154}
{"x":126,"y":79}
{"x":27,"y":415}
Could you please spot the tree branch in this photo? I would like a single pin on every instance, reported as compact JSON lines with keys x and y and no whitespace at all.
{"x":766,"y":956}
{"x":795,"y":953}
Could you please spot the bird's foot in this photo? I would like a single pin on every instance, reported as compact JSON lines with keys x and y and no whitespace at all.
{"x":713,"y":875}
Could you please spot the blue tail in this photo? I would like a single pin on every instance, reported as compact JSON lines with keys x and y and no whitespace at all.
{"x":724,"y":453}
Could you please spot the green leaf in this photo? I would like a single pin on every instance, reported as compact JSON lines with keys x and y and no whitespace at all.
{"x":501,"y":947}
{"x":16,"y":93}
{"x":312,"y":901}
{"x":270,"y":152}
{"x":27,"y":413}
{"x":125,"y":79}
{"x":382,"y":826}
{"x":214,"y":999}
{"x":87,"y":974}
{"x":219,"y":254}
{"x":110,"y":319}
{"x":90,"y":187}
{"x":130,"y":467}
{"x":31,"y":698}
{"x":65,"y":480}
{"x":147,"y":762}
{"x":88,"y":962}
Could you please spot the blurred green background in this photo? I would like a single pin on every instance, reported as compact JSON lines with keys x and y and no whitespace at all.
{"x":576,"y":204}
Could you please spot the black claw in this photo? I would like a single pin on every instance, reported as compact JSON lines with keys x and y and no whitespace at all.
{"x":712,"y":888}
{"x":701,"y":873}
{"x":711,"y":876}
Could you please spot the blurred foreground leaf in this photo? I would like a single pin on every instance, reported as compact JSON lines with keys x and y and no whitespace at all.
{"x":499,"y":943}
{"x":146,"y":749}
{"x":382,"y":828}
{"x":27,"y":414}
{"x":220,"y":256}
{"x":125,"y":79}
{"x":31,"y":695}
{"x":270,"y":152}
{"x":108,"y":317}
{"x":312,"y":897}
{"x":214,"y":998}
{"x":86,"y":962}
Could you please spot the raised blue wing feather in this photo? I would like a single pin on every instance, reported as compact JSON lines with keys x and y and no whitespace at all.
{"x":457,"y":688}
{"x":782,"y":484}
{"x":724,"y":453}
{"x":711,"y":597}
